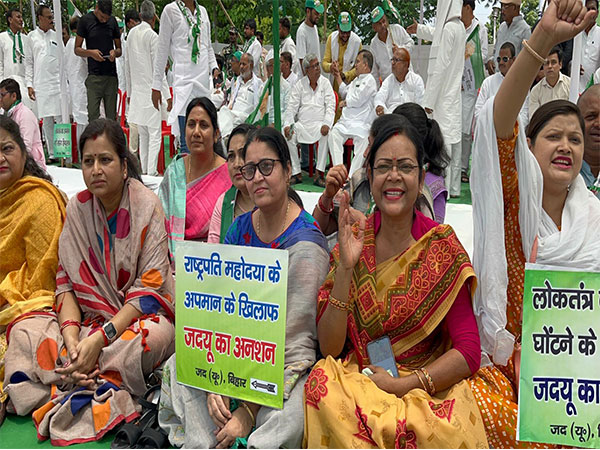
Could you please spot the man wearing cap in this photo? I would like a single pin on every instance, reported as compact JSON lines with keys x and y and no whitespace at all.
{"x":252,"y":44}
{"x":386,"y":38}
{"x":357,"y":114}
{"x":141,"y":52}
{"x":341,"y":50}
{"x":309,"y":114}
{"x":184,"y":36}
{"x":307,"y":36}
{"x":268,"y":107}
{"x":227,"y":52}
{"x":244,"y":98}
{"x":401,"y":86}
{"x":287,"y":44}
{"x":14,"y":45}
{"x":444,"y":79}
{"x":513,"y":28}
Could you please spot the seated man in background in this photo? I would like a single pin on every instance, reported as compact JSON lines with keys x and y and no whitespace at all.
{"x":589,"y":105}
{"x":357,"y":114}
{"x":401,"y":86}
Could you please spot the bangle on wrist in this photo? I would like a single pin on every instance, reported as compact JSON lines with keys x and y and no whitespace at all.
{"x":249,"y":411}
{"x":417,"y":374}
{"x":69,"y":323}
{"x":533,"y":53}
{"x":322,"y":207}
{"x":104,"y":337}
{"x":429,"y":380}
{"x":338,"y":304}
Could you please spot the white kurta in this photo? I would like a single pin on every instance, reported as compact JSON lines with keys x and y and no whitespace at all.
{"x":383,"y":51}
{"x":518,"y":30}
{"x":12,"y":69}
{"x":76,"y":71}
{"x":189,"y":79}
{"x":590,"y":58}
{"x":308,"y":110}
{"x":307,"y":41}
{"x":284,"y":93}
{"x":469,"y":96}
{"x":244,"y":99}
{"x":142,"y":44}
{"x":358,"y":113}
{"x":42,"y":72}
{"x":490,"y":88}
{"x":255,"y":49}
{"x":444,"y":77}
{"x":292,"y":79}
{"x":288,"y":45}
{"x":393,"y":93}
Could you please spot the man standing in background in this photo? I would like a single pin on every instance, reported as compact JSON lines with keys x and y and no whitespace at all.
{"x":513,"y":29}
{"x":76,"y":72}
{"x":307,"y":35}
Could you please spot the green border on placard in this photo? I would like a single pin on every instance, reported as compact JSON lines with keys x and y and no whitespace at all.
{"x":62,"y":140}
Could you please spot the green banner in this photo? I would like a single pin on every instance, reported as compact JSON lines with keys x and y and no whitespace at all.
{"x":473,"y":74}
{"x":559,"y":383}
{"x":62,"y":140}
{"x":230,"y":327}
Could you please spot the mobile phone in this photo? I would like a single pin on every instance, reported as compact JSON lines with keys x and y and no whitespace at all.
{"x":381,"y":354}
{"x":106,"y":56}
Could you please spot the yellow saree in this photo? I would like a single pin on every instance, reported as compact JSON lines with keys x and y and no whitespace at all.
{"x":32,"y":212}
{"x":407,"y":299}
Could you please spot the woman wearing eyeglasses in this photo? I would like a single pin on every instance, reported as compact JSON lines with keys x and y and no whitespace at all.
{"x":193,"y":183}
{"x":402,"y":280}
{"x":196,"y":419}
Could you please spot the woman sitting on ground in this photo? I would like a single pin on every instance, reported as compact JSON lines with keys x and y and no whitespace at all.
{"x":402,"y":276}
{"x":193,"y":182}
{"x":532,"y":205}
{"x":236,"y":201}
{"x":78,"y":367}
{"x":32,"y":212}
{"x":278,"y":221}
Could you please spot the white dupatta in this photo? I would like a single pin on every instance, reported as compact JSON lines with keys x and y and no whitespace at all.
{"x":576,"y":245}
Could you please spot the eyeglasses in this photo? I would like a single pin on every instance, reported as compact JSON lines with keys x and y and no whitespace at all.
{"x":403,"y":168}
{"x":503,"y":59}
{"x":397,"y":60}
{"x":265,"y":167}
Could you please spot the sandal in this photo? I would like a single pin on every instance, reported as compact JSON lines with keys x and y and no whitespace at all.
{"x":320,"y":181}
{"x":296,"y":179}
{"x":129,"y":434}
{"x":464,"y":178}
{"x":152,"y":438}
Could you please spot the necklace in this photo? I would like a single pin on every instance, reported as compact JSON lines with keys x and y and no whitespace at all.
{"x":287,"y":210}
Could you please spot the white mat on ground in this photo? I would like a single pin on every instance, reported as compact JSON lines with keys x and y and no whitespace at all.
{"x":70,"y":181}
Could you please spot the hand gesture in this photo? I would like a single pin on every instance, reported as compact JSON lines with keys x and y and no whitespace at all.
{"x":239,"y":425}
{"x":87,"y":352}
{"x":412,"y":28}
{"x":336,"y":178}
{"x":218,"y":409}
{"x":563,"y":19}
{"x":350,"y":245}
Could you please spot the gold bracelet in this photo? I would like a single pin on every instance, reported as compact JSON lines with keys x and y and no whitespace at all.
{"x":416,"y":372}
{"x":431,"y":390}
{"x":249,"y":411}
{"x":533,"y":53}
{"x":338,"y":304}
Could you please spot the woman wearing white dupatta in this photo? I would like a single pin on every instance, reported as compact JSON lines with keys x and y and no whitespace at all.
{"x":532,"y":182}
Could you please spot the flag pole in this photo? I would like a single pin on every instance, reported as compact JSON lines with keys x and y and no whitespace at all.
{"x":276,"y":68}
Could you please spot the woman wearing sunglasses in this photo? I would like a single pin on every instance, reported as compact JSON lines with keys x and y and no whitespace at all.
{"x":401,"y":280}
{"x":197,"y":419}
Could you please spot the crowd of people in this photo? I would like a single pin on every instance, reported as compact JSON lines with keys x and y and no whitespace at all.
{"x":87,"y":284}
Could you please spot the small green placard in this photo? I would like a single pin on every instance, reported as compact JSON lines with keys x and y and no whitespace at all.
{"x":62,"y":140}
{"x":559,"y":388}
{"x":230,"y":327}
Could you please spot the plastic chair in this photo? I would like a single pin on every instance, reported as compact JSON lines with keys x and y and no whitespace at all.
{"x":121,"y":107}
{"x":165,"y":157}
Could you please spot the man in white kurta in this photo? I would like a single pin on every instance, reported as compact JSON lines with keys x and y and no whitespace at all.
{"x":590,"y":50}
{"x":307,"y":35}
{"x":284,"y":92}
{"x":286,"y":64}
{"x":142,"y":43}
{"x":310,"y":112}
{"x":245,"y":96}
{"x":357,"y":115}
{"x":42,"y":74}
{"x":491,"y":84}
{"x":180,"y":21}
{"x":401,"y":86}
{"x":14,"y":45}
{"x":444,"y":77}
{"x":252,"y":45}
{"x":76,"y":72}
{"x":287,"y":44}
{"x":382,"y":45}
{"x":469,"y":89}
{"x":513,"y":29}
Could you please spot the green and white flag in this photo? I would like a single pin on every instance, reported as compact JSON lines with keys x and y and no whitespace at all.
{"x":473,"y":74}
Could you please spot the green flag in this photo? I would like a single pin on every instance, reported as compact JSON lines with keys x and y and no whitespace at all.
{"x":264,"y":120}
{"x":72,"y":10}
{"x":473,"y":74}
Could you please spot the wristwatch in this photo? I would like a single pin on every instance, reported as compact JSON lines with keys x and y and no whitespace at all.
{"x":110,"y":331}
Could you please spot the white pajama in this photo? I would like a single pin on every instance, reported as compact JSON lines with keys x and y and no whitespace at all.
{"x":149,"y":148}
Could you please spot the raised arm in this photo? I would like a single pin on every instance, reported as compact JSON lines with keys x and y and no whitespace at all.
{"x":562,"y":20}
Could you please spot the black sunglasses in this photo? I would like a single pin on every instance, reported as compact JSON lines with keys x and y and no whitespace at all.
{"x":503,"y":59}
{"x":265,"y":167}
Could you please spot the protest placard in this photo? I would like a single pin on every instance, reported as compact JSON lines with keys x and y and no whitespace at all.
{"x":559,"y":388}
{"x":230,"y":327}
{"x":62,"y":140}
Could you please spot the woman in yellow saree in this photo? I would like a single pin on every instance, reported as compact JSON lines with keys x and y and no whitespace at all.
{"x":400,"y":275}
